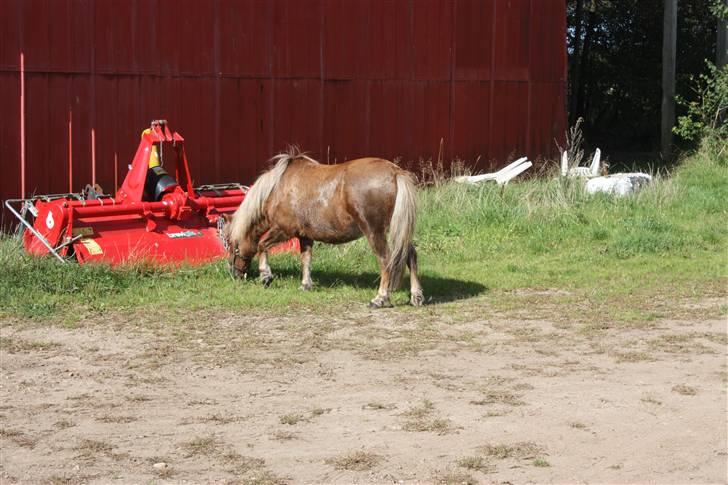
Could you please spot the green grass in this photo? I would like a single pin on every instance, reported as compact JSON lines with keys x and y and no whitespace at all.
{"x":544,"y":234}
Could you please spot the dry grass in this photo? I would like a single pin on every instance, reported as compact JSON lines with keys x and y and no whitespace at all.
{"x":522,"y":451}
{"x":419,"y":419}
{"x":499,"y":397}
{"x":418,"y":412}
{"x":13,"y":346}
{"x":284,"y":436}
{"x":17,"y":437}
{"x":219,"y":418}
{"x":439,"y":426}
{"x":685,"y":390}
{"x":240,"y":464}
{"x":292,"y":419}
{"x":116,"y":419}
{"x":651,"y":400}
{"x":204,"y":446}
{"x":64,"y":424}
{"x":477,"y":463}
{"x":377,"y":406}
{"x":632,"y":357}
{"x":358,"y":461}
{"x":90,"y":449}
{"x":455,"y":478}
{"x":683,"y":343}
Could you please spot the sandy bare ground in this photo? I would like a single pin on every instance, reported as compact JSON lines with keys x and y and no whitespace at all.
{"x":452,"y":393}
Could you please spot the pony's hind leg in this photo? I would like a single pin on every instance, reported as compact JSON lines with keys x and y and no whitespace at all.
{"x":378,"y":242}
{"x":306,"y":254}
{"x":417,"y":298}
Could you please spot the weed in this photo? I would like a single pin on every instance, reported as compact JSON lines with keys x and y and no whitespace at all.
{"x":206,"y":446}
{"x":421,"y":411}
{"x":64,"y":424}
{"x":651,"y":400}
{"x":685,"y":390}
{"x":92,"y":448}
{"x":499,"y":397}
{"x":17,"y":437}
{"x":632,"y":357}
{"x":355,"y":461}
{"x":116,"y":419}
{"x":377,"y":406}
{"x":455,"y":478}
{"x":477,"y":463}
{"x":291,"y":419}
{"x":541,"y":463}
{"x":439,"y":426}
{"x":13,"y":346}
{"x":522,"y":450}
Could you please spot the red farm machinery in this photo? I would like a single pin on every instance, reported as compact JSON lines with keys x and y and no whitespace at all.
{"x":156,"y":216}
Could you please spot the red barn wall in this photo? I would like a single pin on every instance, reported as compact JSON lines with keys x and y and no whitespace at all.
{"x":241,"y":79}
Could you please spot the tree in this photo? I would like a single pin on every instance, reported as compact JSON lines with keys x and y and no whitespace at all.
{"x":615,"y":50}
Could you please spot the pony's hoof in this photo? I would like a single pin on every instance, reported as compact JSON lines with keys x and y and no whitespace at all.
{"x":417,"y":299}
{"x":266,"y":280}
{"x":306,"y":287}
{"x":378,"y":303}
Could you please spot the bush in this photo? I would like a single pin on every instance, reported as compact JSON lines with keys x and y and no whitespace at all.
{"x":706,"y":120}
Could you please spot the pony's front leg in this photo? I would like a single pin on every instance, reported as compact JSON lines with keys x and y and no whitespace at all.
{"x":306,"y":254}
{"x":266,"y":275}
{"x":269,"y":239}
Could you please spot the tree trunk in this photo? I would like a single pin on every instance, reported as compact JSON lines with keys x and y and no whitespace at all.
{"x":584,"y":63}
{"x":721,"y":58}
{"x":574,"y":70}
{"x":669,"y":44}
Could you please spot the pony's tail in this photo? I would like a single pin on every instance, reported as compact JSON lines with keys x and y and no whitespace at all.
{"x":251,"y":210}
{"x":401,"y":228}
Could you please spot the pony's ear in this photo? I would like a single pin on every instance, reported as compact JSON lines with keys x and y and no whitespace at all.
{"x":227,"y":217}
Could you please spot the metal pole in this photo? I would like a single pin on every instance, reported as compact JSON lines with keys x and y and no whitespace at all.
{"x":721,"y":57}
{"x":22,"y":125}
{"x":669,"y":45}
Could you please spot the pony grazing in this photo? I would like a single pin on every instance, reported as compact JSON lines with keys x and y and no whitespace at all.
{"x":302,"y":198}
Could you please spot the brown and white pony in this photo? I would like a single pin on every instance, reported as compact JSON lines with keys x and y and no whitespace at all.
{"x":302,"y":198}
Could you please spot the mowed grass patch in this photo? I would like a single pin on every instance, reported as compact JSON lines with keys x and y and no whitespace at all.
{"x":543,"y":234}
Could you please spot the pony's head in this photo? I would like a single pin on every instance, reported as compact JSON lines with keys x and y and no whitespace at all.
{"x":240,"y":251}
{"x":245,"y":227}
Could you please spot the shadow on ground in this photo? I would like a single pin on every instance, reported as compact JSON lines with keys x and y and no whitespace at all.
{"x":437,"y":289}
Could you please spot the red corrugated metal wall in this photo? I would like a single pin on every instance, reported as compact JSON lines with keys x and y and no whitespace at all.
{"x":240,"y":79}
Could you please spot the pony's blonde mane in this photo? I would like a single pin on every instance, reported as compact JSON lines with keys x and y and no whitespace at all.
{"x":250,"y":211}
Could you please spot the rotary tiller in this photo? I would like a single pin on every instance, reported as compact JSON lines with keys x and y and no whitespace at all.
{"x":156,"y":216}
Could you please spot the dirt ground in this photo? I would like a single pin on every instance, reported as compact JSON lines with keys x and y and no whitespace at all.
{"x":452,"y":393}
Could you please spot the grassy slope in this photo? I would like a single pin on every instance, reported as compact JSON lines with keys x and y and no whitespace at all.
{"x":669,"y":241}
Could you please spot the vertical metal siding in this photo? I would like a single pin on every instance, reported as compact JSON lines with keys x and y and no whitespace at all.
{"x":241,"y":79}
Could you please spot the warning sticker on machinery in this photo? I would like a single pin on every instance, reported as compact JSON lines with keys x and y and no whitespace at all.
{"x":177,"y":235}
{"x":92,"y":246}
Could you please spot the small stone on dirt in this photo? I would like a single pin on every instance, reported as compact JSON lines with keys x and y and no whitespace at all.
{"x":160,"y":466}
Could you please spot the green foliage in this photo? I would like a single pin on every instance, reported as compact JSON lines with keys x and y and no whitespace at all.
{"x":706,"y":119}
{"x":472,"y":240}
{"x":719,"y":9}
